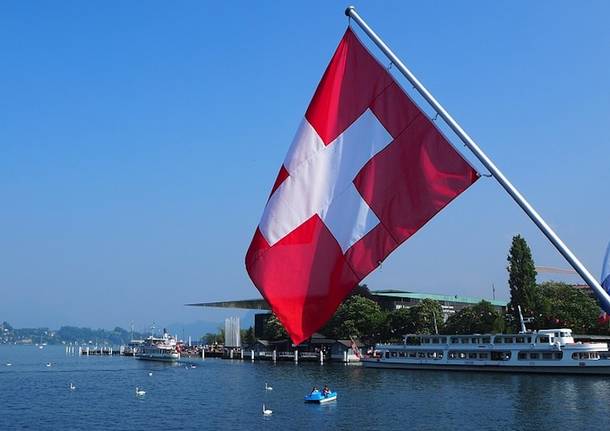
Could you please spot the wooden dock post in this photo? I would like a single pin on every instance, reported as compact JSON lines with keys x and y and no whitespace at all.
{"x":202,"y":353}
{"x":231,"y":353}
{"x":252,"y":355}
{"x":321,"y":357}
{"x":242,"y":354}
{"x":296,"y":356}
{"x":274,"y":356}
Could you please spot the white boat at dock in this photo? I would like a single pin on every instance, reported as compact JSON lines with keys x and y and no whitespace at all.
{"x":164,"y":349}
{"x":543,"y":351}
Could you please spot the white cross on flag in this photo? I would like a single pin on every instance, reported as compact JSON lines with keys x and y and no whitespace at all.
{"x":365,"y":171}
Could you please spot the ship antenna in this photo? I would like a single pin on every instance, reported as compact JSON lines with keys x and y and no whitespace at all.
{"x":523,"y":328}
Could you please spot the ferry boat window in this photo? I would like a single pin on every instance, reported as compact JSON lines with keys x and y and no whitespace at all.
{"x":426,"y":340}
{"x":472,"y":356}
{"x":547,"y":356}
{"x":439,"y":355}
{"x":401,"y":354}
{"x":421,"y":355}
{"x":444,"y":340}
{"x":498,"y":340}
{"x":475,"y":340}
{"x":412,"y":355}
{"x":465,"y":340}
{"x":387,"y":354}
{"x":394,"y":354}
{"x":543,"y":339}
{"x":520,"y":340}
{"x":455,"y":340}
{"x":522,"y":356}
{"x":564,"y":334}
{"x":558,"y":355}
{"x":483,"y":355}
{"x":435,"y":341}
{"x":529,"y":339}
{"x":557,"y":334}
{"x":485,"y":340}
{"x":534,"y":356}
{"x":508,"y":340}
{"x":462,"y":355}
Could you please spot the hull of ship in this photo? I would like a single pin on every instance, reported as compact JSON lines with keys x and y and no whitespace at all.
{"x":536,"y":369}
{"x":145,"y":357}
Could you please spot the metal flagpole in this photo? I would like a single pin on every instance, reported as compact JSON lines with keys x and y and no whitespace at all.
{"x":602,"y":295}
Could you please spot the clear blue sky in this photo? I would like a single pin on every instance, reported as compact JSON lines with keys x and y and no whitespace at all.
{"x":139,"y":142}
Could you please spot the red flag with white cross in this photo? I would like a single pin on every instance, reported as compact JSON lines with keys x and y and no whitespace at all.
{"x":366,"y":170}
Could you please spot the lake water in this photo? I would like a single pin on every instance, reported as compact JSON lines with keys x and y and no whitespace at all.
{"x":224,"y":394}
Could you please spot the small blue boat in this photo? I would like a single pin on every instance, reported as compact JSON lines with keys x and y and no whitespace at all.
{"x":318,"y":397}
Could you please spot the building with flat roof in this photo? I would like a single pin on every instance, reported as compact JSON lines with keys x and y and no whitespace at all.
{"x":387,"y":299}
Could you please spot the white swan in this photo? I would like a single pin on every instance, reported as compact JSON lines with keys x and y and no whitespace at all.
{"x":72,"y":387}
{"x":48,"y":364}
{"x":268,"y":388}
{"x":8,"y":364}
{"x":140,"y":392}
{"x":150,"y":374}
{"x":267,"y":412}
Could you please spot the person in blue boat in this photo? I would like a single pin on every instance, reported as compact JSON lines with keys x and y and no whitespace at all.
{"x":325,"y":390}
{"x":314,"y":390}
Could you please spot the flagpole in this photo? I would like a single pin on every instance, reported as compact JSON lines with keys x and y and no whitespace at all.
{"x":602,"y":295}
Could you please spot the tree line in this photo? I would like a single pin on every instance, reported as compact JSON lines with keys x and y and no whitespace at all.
{"x":546,"y":305}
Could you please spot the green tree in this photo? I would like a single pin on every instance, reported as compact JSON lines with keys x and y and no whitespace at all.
{"x":423,"y":316}
{"x":214,"y":338}
{"x":521,"y":279}
{"x":357,"y":317}
{"x":247,"y":336}
{"x":274,"y":330}
{"x":562,"y":305}
{"x":480,"y":318}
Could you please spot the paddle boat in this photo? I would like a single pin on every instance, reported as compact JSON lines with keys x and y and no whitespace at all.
{"x":320,"y":398}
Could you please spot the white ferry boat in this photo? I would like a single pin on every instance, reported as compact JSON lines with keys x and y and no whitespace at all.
{"x":543,"y":351}
{"x":163,"y":349}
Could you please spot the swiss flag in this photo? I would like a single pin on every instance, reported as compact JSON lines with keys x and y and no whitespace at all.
{"x":365,"y":171}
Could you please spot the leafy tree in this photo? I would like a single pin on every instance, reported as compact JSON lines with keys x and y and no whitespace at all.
{"x":247,"y":336}
{"x":561,"y":305}
{"x":478,"y":319}
{"x":214,"y":338}
{"x":358,"y":317}
{"x":399,"y":323}
{"x":274,"y":330}
{"x":521,"y":278}
{"x":423,"y":316}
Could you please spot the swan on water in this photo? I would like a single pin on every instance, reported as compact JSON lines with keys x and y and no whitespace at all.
{"x":268,"y":388}
{"x":266,"y":411}
{"x":140,"y":392}
{"x":48,"y":364}
{"x":150,"y":374}
{"x":72,"y":387}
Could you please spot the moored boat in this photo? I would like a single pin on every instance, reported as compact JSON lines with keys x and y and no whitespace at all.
{"x":543,"y":351}
{"x":164,"y":349}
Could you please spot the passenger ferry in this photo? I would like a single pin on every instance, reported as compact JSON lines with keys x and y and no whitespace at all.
{"x":543,"y":351}
{"x":163,"y":349}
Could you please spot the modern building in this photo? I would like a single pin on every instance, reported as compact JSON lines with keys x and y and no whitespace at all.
{"x":387,"y":299}
{"x":232,"y":332}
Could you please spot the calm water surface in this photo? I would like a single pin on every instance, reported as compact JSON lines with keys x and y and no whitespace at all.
{"x":223,"y":394}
